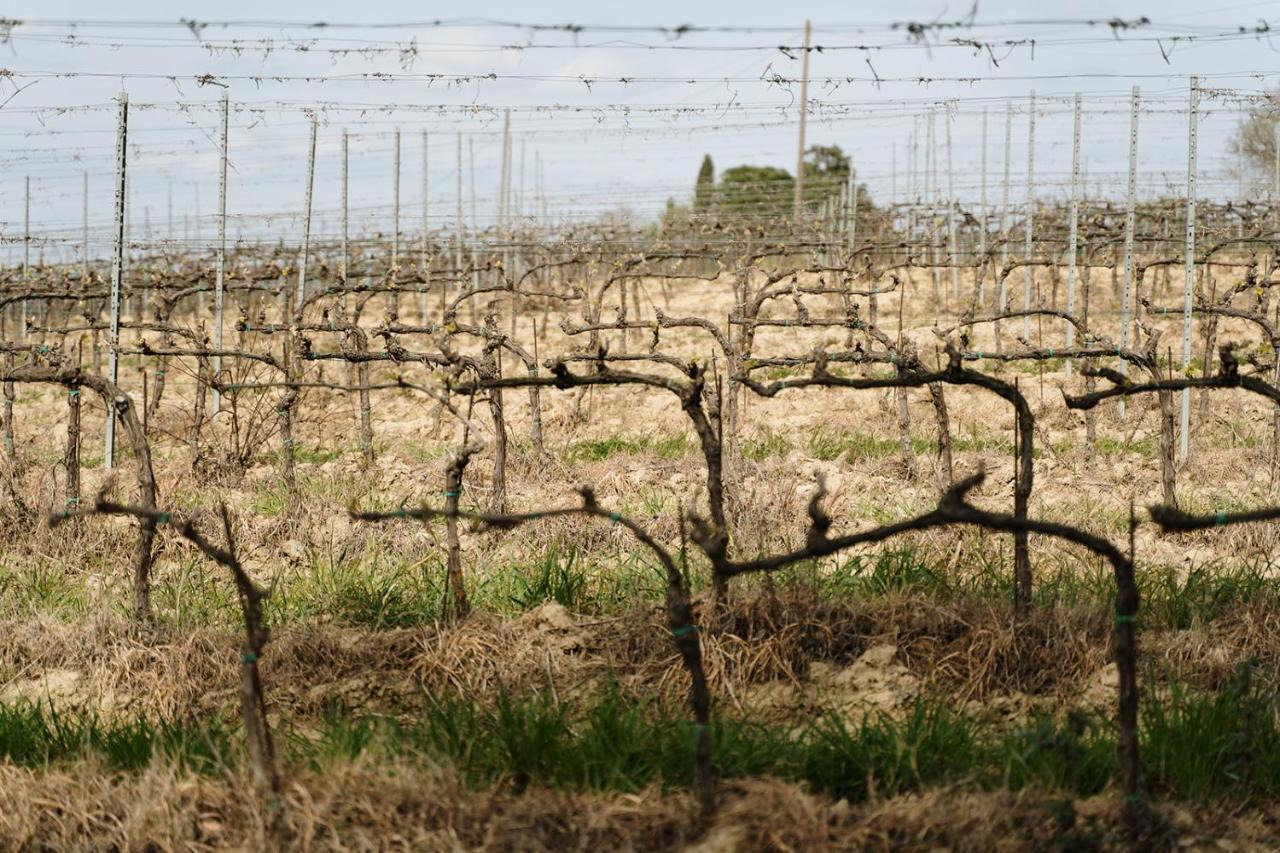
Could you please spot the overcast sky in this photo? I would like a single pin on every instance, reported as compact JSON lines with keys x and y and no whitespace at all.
{"x":617,"y":118}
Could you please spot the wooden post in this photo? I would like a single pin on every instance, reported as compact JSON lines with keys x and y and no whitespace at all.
{"x":117,"y":276}
{"x":804,"y":110}
{"x":71,"y":455}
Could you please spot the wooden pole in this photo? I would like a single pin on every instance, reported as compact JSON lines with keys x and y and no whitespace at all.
{"x":804,"y":110}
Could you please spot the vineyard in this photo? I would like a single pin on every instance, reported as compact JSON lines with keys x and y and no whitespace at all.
{"x":848,"y":511}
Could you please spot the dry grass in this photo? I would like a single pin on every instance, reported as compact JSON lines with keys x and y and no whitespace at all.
{"x":360,"y":806}
{"x":65,"y":591}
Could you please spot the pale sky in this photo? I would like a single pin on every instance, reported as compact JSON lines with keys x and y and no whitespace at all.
{"x":603,"y":143}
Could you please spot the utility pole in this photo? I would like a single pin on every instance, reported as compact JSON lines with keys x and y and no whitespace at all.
{"x":804,"y":110}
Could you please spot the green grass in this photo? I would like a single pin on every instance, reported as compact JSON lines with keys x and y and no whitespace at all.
{"x":1173,"y":598}
{"x":270,"y":498}
{"x":195,"y":594}
{"x":1204,"y":745}
{"x":1241,"y":434}
{"x":40,"y":586}
{"x":564,"y":574}
{"x":1035,"y":368}
{"x":554,"y":578}
{"x":668,"y":446}
{"x":1197,"y":745}
{"x":378,"y":584}
{"x":828,"y":445}
{"x":37,"y":734}
{"x":765,"y":444}
{"x":1181,"y":599}
{"x":1145,"y":447}
{"x":368,"y":590}
{"x":308,"y":454}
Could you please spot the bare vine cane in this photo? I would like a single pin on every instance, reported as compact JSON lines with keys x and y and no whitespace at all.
{"x":253,"y":705}
{"x":954,"y":508}
{"x":680,"y":617}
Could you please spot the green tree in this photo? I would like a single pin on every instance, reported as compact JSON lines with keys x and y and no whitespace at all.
{"x":826,"y":170}
{"x":704,"y":190}
{"x":755,"y":191}
{"x":675,"y":218}
{"x":763,"y":192}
